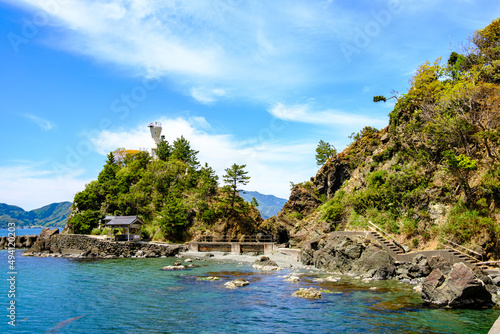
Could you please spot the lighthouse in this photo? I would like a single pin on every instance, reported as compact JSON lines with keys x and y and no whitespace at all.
{"x":155,"y":128}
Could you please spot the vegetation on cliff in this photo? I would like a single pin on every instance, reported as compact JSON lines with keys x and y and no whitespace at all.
{"x":433,"y":172}
{"x":176,"y":198}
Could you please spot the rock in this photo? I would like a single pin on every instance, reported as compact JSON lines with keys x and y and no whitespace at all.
{"x":292,"y":278}
{"x":385,"y":138}
{"x":459,"y":289}
{"x":237,"y":283}
{"x":265,"y":263}
{"x":177,"y":264}
{"x":209,"y":255}
{"x":46,"y":233}
{"x":181,"y":267}
{"x":209,"y":278}
{"x":310,"y":293}
{"x":188,"y":260}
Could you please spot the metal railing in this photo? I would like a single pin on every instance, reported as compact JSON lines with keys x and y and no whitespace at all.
{"x":479,"y":255}
{"x":237,"y":238}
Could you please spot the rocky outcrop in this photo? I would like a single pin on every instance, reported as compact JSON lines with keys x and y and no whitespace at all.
{"x":82,"y":246}
{"x":349,"y":255}
{"x":331,"y":177}
{"x":459,"y":288}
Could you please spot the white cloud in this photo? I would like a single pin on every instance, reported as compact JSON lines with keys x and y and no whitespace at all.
{"x":304,"y":113}
{"x":207,"y":96}
{"x":42,"y":123}
{"x":271,"y":165}
{"x":237,"y":47}
{"x":33,"y":185}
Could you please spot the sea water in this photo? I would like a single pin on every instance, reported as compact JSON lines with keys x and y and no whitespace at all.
{"x":62,"y":295}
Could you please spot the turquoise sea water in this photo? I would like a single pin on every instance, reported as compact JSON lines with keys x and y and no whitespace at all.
{"x":59,"y":295}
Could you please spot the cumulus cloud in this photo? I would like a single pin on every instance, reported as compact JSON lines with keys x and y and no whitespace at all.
{"x":271,"y":165}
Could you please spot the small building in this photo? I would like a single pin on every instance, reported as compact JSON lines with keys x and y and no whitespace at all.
{"x":132,"y":224}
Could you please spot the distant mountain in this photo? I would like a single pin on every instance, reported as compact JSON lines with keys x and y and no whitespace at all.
{"x":52,"y":215}
{"x":269,"y":205}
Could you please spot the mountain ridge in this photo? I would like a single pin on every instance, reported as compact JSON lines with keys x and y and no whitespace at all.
{"x":269,"y":205}
{"x":50,"y":215}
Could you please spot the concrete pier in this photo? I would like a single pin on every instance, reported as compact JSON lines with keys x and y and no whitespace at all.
{"x":265,"y":248}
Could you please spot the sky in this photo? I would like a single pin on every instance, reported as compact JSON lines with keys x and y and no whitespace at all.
{"x":249,"y":82}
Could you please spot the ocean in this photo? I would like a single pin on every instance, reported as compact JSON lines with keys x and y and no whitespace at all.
{"x":61,"y":295}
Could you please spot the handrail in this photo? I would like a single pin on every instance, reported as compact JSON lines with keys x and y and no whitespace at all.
{"x":238,"y":238}
{"x":386,"y":235}
{"x":467,"y":249}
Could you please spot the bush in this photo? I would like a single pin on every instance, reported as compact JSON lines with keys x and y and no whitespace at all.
{"x":463,"y":224}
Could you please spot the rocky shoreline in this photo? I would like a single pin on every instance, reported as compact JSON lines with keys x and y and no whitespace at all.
{"x":440,"y":283}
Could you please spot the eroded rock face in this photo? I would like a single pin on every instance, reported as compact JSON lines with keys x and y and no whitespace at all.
{"x":460,"y":288}
{"x":349,"y":254}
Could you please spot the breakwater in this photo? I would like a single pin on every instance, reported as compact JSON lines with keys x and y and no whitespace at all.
{"x":82,"y":246}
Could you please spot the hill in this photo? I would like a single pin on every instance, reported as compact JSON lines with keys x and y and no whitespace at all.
{"x":176,"y":197}
{"x":52,"y":215}
{"x":432,"y":174}
{"x":269,"y":205}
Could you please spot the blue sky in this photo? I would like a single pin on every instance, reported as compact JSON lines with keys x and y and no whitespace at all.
{"x":247,"y":82}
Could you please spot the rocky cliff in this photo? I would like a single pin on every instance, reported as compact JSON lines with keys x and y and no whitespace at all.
{"x":431,"y":174}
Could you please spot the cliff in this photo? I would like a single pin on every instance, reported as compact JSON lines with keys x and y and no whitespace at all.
{"x":432,"y":174}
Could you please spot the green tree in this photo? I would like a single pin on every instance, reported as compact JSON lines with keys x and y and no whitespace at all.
{"x":324,"y":151}
{"x":235,"y":176}
{"x":254,"y":202}
{"x":182,"y":151}
{"x":163,"y":149}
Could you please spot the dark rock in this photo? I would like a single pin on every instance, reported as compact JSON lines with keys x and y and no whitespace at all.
{"x":345,"y":254}
{"x":438,"y":262}
{"x":47,"y":233}
{"x":265,"y":261}
{"x":459,"y":289}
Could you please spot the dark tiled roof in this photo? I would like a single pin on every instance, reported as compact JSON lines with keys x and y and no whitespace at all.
{"x":122,"y":220}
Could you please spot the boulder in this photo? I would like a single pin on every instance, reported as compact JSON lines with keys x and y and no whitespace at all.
{"x":237,"y":283}
{"x":265,"y":263}
{"x":310,"y":293}
{"x":459,"y":289}
{"x":47,"y":233}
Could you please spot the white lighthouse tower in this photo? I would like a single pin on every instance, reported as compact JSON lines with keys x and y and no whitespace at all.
{"x":155,"y":128}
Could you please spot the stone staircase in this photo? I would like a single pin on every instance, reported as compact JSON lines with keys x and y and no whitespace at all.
{"x":389,"y":246}
{"x":449,"y":254}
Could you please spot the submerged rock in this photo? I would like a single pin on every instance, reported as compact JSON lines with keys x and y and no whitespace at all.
{"x":174,"y":267}
{"x":310,"y":293}
{"x":459,"y":289}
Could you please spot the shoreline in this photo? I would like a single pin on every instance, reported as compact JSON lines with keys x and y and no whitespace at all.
{"x":283,"y":260}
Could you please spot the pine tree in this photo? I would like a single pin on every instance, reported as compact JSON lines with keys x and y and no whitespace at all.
{"x":235,"y":175}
